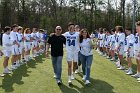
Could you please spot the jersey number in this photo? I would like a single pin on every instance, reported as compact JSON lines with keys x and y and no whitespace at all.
{"x":136,"y":40}
{"x":117,"y":39}
{"x":125,"y":42}
{"x":71,"y":42}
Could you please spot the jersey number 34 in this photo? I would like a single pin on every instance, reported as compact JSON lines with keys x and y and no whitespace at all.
{"x":71,"y":42}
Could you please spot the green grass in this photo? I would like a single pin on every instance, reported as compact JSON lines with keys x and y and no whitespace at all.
{"x":37,"y":77}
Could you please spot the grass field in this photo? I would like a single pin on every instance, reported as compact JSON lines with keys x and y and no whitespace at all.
{"x":37,"y":77}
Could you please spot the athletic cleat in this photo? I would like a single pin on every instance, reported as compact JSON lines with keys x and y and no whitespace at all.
{"x":121,"y":68}
{"x":59,"y":82}
{"x":104,"y":55}
{"x":13,"y":67}
{"x":7,"y":72}
{"x":129,"y":72}
{"x":111,"y":59}
{"x":107,"y":57}
{"x":76,"y":71}
{"x":21,"y":63}
{"x":136,"y":75}
{"x":70,"y":82}
{"x":72,"y":77}
{"x":138,"y":79}
{"x":54,"y":76}
{"x":2,"y":75}
{"x":87,"y":82}
{"x":17,"y":65}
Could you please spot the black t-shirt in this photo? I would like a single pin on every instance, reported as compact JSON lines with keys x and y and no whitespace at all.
{"x":57,"y":45}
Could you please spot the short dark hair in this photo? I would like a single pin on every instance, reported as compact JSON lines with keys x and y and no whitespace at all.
{"x":100,"y":29}
{"x":108,"y":31}
{"x":128,"y":28}
{"x":120,"y":28}
{"x":15,"y":25}
{"x":112,"y":30}
{"x":7,"y":28}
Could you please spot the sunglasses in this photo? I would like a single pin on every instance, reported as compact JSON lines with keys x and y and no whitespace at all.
{"x":58,"y":29}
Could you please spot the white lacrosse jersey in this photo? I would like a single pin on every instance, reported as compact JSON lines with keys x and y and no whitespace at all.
{"x":72,"y":41}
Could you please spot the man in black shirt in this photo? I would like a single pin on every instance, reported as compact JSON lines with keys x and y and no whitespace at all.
{"x":56,"y":41}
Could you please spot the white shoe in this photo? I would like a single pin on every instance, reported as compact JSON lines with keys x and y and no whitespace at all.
{"x":21,"y":63}
{"x":107,"y":57}
{"x":84,"y":78}
{"x":101,"y":54}
{"x":54,"y":76}
{"x":59,"y":82}
{"x":30,"y":57}
{"x":121,"y":68}
{"x":72,"y":77}
{"x":13,"y":67}
{"x":34,"y":56}
{"x":23,"y":60}
{"x":6,"y":71}
{"x":130,"y":72}
{"x":138,"y":79}
{"x":136,"y":75}
{"x":69,"y":82}
{"x":87,"y":82}
{"x":112,"y":59}
{"x":76,"y":71}
{"x":104,"y":55}
{"x":26,"y":59}
{"x":2,"y":75}
{"x":127,"y":70}
{"x":17,"y":65}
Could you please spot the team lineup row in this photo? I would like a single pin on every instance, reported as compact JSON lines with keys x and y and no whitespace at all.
{"x":17,"y":44}
{"x":121,"y":43}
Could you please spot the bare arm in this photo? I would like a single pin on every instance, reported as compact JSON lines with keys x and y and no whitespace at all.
{"x":47,"y":49}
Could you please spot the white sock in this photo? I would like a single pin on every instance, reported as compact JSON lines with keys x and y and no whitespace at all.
{"x":5,"y":69}
{"x":69,"y":78}
{"x":26,"y":57}
{"x":72,"y":73}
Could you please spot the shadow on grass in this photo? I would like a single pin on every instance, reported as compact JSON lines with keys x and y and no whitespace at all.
{"x":16,"y":77}
{"x":96,"y":86}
